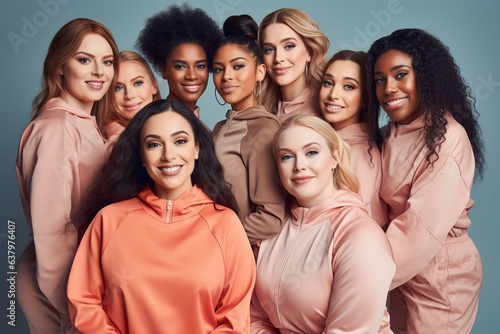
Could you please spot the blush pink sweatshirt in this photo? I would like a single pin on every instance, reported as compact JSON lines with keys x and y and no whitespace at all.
{"x":306,"y":103}
{"x":59,"y":153}
{"x":328,"y":271}
{"x":369,"y":172}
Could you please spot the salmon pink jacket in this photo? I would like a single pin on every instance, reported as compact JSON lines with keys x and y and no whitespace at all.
{"x":150,"y":265}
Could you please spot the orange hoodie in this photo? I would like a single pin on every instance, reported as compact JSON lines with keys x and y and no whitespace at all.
{"x":149,"y":265}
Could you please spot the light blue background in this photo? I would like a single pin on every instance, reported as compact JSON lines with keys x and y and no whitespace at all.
{"x":470,"y":29}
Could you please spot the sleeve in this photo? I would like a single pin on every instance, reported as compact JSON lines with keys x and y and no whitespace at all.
{"x":259,"y":320}
{"x":233,"y":310}
{"x":362,"y":269}
{"x":264,"y":185}
{"x":50,"y":168}
{"x":86,"y":286}
{"x":437,"y":199}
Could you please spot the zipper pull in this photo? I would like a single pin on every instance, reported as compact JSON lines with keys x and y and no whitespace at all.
{"x":168,"y":217}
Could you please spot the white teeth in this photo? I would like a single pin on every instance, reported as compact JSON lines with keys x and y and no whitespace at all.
{"x":170,"y":169}
{"x":192,"y":87}
{"x":331,"y":106}
{"x":391,"y":103}
{"x":94,"y":83}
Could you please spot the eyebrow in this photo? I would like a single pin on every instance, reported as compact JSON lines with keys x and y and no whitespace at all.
{"x":345,"y":78}
{"x":91,"y":55}
{"x":303,"y":147}
{"x":185,"y":62}
{"x":231,"y":61}
{"x":283,"y":40}
{"x":394,"y":68}
{"x":172,"y":135}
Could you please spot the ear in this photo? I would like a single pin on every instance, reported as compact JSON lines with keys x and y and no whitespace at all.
{"x":163,"y":72}
{"x":261,"y":72}
{"x":60,"y":70}
{"x":336,"y":158}
{"x":197,"y":152}
{"x":155,"y":89}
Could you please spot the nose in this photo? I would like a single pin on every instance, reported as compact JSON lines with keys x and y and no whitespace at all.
{"x":390,"y":86}
{"x":228,"y":74}
{"x":168,"y":153}
{"x":298,"y":164}
{"x":279,"y":56}
{"x":334,"y":92}
{"x":129,"y":94}
{"x":191,"y":73}
{"x":98,"y":70}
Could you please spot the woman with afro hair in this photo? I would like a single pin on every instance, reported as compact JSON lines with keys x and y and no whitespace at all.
{"x":179,"y":43}
{"x":431,"y":154}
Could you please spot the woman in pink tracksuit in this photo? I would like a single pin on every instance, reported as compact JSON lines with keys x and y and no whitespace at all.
{"x":343,"y":100}
{"x":430,"y":155}
{"x":330,"y":267}
{"x":59,"y":152}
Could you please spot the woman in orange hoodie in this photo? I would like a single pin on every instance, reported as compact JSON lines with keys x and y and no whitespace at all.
{"x":170,"y":254}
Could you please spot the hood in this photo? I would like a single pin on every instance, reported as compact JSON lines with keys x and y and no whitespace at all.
{"x":56,"y":104}
{"x":327,"y":208}
{"x":186,"y":205}
{"x":250,"y":113}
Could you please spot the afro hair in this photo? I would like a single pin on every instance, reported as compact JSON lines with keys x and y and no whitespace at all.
{"x":177,"y":25}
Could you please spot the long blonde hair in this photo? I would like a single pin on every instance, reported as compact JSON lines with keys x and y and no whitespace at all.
{"x":64,"y":44}
{"x":344,"y":177}
{"x":317,"y":45}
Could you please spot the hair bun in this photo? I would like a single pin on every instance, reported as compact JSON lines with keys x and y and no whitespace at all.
{"x":243,"y":25}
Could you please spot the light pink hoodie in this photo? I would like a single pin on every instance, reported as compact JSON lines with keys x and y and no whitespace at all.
{"x":328,"y":271}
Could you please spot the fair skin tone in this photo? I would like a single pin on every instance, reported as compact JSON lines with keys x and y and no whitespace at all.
{"x":134,"y":89}
{"x":396,"y":86}
{"x":168,"y":152}
{"x":235,"y":75}
{"x":186,"y":72}
{"x":305,"y":165}
{"x":87,"y":74}
{"x":340,"y":95}
{"x":285,"y":57}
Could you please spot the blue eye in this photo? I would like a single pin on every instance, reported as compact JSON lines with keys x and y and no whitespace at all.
{"x":327,"y":83}
{"x":108,"y":62}
{"x":286,"y":157}
{"x":348,"y":87}
{"x":312,"y":152}
{"x":118,"y":88}
{"x":289,"y":46}
{"x":268,"y":50}
{"x":138,"y":83}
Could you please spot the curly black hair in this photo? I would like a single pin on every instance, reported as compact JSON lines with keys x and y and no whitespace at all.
{"x":174,"y":26}
{"x":432,"y":61}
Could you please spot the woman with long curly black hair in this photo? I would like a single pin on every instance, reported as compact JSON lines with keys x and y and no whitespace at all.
{"x":430,"y":157}
{"x":180,"y":42}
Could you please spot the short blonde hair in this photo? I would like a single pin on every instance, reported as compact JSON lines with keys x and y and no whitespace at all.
{"x":344,"y":177}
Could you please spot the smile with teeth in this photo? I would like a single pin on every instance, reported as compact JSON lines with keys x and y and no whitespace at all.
{"x":95,"y":83}
{"x":396,"y":102}
{"x":191,"y":88}
{"x":333,"y":106}
{"x":170,"y":170}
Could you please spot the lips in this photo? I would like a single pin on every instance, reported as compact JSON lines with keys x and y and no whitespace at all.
{"x":95,"y":84}
{"x":302,"y":179}
{"x":228,"y":89}
{"x":333,"y":107}
{"x":131,"y":107}
{"x":280,"y":70}
{"x":191,"y":88}
{"x":171,"y":170}
{"x":395,"y":103}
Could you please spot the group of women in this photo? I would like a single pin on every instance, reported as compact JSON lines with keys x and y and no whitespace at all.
{"x":295,"y":214}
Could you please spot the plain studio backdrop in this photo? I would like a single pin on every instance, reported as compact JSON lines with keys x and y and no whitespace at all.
{"x":470,"y":29}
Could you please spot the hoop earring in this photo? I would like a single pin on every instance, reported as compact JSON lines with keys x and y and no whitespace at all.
{"x":217,"y":99}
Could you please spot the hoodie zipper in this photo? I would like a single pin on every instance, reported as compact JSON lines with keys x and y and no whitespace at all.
{"x":168,"y":217}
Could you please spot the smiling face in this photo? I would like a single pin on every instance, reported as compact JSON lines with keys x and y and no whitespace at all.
{"x":340,"y":95}
{"x":186,"y":72}
{"x":87,"y":75}
{"x":305,"y":165}
{"x":235,"y":75}
{"x":285,"y":57}
{"x":168,"y":152}
{"x":134,"y":89}
{"x":396,"y":86}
